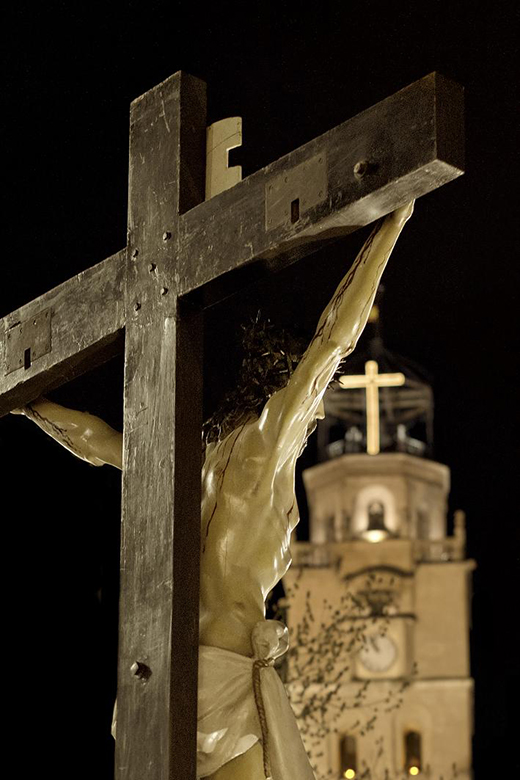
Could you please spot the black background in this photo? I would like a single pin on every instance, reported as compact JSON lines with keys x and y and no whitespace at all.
{"x":292,"y":71}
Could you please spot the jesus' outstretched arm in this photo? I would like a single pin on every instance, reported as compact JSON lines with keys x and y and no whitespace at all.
{"x":85,"y":435}
{"x":294,"y":408}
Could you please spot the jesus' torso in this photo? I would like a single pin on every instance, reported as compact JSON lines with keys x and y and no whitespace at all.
{"x":248,"y":512}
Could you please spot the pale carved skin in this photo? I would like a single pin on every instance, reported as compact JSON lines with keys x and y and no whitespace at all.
{"x":248,"y":501}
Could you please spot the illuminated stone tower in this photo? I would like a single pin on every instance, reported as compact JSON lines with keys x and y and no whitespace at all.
{"x":378,"y":601}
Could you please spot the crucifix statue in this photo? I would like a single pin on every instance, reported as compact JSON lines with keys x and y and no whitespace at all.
{"x":223,"y":541}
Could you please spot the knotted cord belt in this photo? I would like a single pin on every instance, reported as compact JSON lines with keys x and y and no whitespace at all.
{"x":258,"y":665}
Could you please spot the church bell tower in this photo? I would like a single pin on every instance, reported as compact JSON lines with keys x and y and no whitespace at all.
{"x":378,"y":601}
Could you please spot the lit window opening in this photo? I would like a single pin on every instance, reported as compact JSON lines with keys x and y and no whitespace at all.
{"x":348,"y":757}
{"x":412,"y":749}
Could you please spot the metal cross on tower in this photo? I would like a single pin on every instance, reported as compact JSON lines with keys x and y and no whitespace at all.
{"x":371,"y":381}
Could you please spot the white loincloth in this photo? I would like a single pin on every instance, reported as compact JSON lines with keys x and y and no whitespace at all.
{"x":228,"y":723}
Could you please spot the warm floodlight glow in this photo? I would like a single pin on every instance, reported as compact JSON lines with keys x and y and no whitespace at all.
{"x":375,"y":535}
{"x":350,"y":774}
{"x":414,"y":770}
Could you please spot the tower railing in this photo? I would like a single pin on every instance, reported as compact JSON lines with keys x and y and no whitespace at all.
{"x":326,"y":554}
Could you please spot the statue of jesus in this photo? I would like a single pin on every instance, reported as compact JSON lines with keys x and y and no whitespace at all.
{"x":246,"y":730}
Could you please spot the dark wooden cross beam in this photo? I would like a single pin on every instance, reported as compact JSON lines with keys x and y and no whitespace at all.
{"x":184,"y":252}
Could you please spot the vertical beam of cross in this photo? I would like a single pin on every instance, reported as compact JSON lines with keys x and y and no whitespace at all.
{"x":371,"y":381}
{"x":157,"y":676}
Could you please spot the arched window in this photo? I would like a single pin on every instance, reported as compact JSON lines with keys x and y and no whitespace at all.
{"x":375,"y":503}
{"x":412,"y":753}
{"x":348,"y":757}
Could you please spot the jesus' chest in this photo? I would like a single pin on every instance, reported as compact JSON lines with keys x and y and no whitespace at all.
{"x":248,"y":508}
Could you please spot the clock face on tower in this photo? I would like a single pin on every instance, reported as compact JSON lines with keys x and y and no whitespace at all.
{"x":379,"y":653}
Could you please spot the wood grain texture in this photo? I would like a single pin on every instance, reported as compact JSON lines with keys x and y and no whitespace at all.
{"x":413,"y":143}
{"x":162,"y":445}
{"x":87,"y":313}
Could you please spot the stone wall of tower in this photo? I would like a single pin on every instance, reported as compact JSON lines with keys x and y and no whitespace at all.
{"x":432,"y":599}
{"x":413,"y":589}
{"x":440,"y":711}
{"x":442,"y":608}
{"x":413,"y":490}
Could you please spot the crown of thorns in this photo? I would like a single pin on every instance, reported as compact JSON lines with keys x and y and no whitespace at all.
{"x":270,"y":357}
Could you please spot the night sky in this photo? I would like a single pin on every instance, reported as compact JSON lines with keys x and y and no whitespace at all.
{"x":451,"y":301}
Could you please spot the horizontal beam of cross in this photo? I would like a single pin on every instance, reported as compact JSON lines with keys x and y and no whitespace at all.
{"x":401,"y":148}
{"x":85,"y":317}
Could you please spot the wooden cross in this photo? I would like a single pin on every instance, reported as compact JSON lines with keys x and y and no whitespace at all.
{"x":184,"y":253}
{"x":371,"y":381}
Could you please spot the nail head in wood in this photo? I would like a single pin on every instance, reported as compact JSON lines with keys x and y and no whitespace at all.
{"x":141,"y":671}
{"x":360,"y":169}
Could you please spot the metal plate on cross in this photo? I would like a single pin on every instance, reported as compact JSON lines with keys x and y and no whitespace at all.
{"x":296,"y":191}
{"x":27,"y":341}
